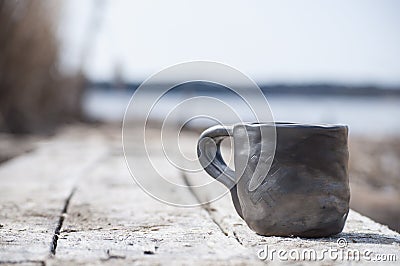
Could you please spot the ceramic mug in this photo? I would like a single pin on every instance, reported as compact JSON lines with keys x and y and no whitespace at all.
{"x":304,"y":190}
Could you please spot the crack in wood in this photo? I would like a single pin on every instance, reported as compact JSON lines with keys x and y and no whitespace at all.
{"x":209,"y":210}
{"x":64,"y":211}
{"x":237,"y":238}
{"x":57,"y":232}
{"x":40,"y":262}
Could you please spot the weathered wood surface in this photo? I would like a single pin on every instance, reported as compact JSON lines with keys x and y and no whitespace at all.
{"x":72,"y":201}
{"x":360,"y":232}
{"x":34,"y":190}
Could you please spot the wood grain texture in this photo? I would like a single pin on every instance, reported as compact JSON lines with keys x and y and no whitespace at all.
{"x":74,"y":197}
{"x":33,"y":193}
{"x":360,"y":232}
{"x":110,"y":217}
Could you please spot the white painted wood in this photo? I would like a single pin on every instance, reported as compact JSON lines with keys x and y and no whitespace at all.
{"x":33,"y":191}
{"x":111,"y":217}
{"x":360,"y":232}
{"x":110,"y":220}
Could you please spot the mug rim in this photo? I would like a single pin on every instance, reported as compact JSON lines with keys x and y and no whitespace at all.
{"x":282,"y":124}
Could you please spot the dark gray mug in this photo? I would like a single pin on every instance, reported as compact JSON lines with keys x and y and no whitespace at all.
{"x":304,"y":190}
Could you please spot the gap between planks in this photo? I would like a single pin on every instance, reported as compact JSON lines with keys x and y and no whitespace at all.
{"x":64,"y":211}
{"x":12,"y":262}
{"x":207,"y":208}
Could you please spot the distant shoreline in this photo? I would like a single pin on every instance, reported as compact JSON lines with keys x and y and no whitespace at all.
{"x":267,"y":89}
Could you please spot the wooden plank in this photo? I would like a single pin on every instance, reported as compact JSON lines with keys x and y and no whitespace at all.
{"x":24,"y":263}
{"x":110,"y":217}
{"x":78,"y":187}
{"x":360,"y":232}
{"x":12,"y":146}
{"x":33,"y":192}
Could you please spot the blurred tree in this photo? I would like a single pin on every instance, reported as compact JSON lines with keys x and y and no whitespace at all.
{"x":35,"y":96}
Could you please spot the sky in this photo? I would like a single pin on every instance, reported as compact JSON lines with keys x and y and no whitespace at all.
{"x":303,"y":41}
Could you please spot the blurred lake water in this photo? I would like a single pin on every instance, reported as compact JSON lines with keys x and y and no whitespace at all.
{"x":365,"y":115}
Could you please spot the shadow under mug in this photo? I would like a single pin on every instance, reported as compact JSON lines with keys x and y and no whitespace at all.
{"x":304,"y":187}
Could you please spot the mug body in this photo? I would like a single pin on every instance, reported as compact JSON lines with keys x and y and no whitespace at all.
{"x":303,"y":190}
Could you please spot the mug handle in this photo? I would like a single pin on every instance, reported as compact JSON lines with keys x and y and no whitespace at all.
{"x":209,"y":154}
